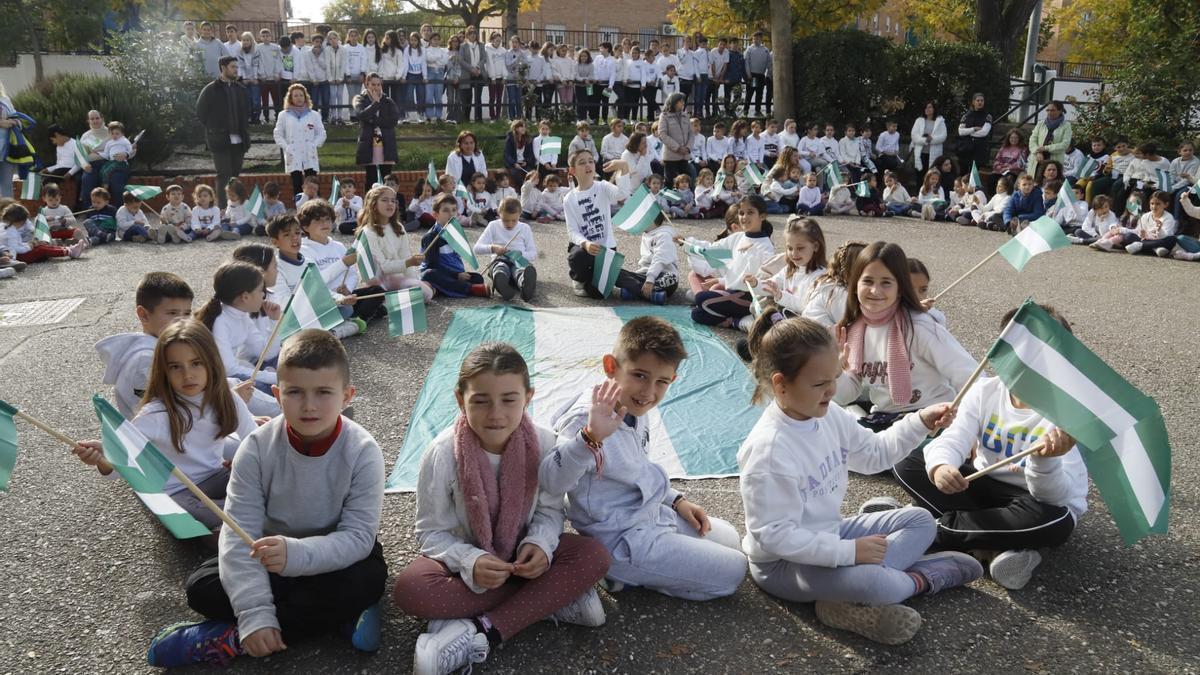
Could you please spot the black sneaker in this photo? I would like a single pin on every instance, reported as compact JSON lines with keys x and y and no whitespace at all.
{"x":743,"y":350}
{"x":528,"y":283}
{"x":502,"y":284}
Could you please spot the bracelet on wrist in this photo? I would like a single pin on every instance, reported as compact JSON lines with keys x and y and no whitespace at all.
{"x":675,"y":502}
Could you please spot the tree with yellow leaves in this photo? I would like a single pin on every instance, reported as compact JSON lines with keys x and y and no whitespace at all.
{"x":1094,"y":29}
{"x":720,"y":17}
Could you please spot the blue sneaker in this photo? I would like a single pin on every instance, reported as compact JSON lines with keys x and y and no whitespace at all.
{"x":626,"y":294}
{"x":947,"y":570}
{"x":658,"y":297}
{"x":364,"y":633}
{"x":191,"y":642}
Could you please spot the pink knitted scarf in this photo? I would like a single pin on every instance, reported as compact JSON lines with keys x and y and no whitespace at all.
{"x":498,"y":510}
{"x":899,"y":370}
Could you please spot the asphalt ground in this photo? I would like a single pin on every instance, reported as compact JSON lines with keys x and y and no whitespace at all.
{"x":87,"y":576}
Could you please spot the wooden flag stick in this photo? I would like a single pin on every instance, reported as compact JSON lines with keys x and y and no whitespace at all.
{"x":374,"y":295}
{"x":212,"y":506}
{"x":434,"y":241}
{"x":262,"y":356}
{"x":968,"y":273}
{"x":967,"y":385}
{"x":104,"y":466}
{"x":1006,"y":461}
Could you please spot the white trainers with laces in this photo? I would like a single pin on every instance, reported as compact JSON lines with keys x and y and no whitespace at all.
{"x":1013,"y":569}
{"x":448,"y":646}
{"x":586,"y":610}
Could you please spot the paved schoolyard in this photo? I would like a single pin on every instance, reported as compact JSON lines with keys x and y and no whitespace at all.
{"x":87,"y":577}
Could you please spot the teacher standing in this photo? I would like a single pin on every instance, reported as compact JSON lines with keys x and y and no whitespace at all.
{"x":224,"y":111}
{"x":1050,"y":138}
{"x":377,"y":116}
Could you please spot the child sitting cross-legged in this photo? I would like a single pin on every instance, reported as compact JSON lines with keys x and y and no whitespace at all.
{"x":308,"y":487}
{"x":494,"y":559}
{"x":795,"y":467}
{"x":1006,"y":517}
{"x":379,"y":222}
{"x":443,"y":268}
{"x":131,"y":220}
{"x":657,"y":266}
{"x":804,"y":244}
{"x":657,"y":538}
{"x":61,"y":220}
{"x":729,"y":305}
{"x":337,"y":268}
{"x":1099,"y":222}
{"x":508,"y":274}
{"x":17,"y":238}
{"x":175,"y":218}
{"x":241,"y":320}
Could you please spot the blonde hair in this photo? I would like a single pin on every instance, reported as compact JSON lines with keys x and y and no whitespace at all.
{"x":287,"y":100}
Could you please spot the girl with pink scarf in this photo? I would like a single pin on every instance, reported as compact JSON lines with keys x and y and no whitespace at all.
{"x":494,"y":559}
{"x":893,"y":351}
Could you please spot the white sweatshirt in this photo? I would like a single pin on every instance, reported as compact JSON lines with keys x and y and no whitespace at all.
{"x":1095,"y":226}
{"x":205,"y":218}
{"x":589,"y":212}
{"x":240,"y":339}
{"x":1149,"y":229}
{"x":521,"y":237}
{"x":658,"y":254}
{"x":328,"y":259}
{"x":896,"y":194}
{"x":127,"y":358}
{"x":989,"y":423}
{"x":794,"y":479}
{"x":347,"y":209}
{"x":749,"y":254}
{"x":203,"y":449}
{"x":391,"y":252}
{"x":796,"y":288}
{"x":940,"y":367}
{"x":612,"y":146}
{"x":826,"y":304}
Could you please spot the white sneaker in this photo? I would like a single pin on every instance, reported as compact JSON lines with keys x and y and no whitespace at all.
{"x":586,"y":610}
{"x":1162,"y":252}
{"x":1134,"y":247}
{"x":448,"y":646}
{"x":877,"y":504}
{"x":745,"y":323}
{"x":1012,"y":569}
{"x":75,"y":250}
{"x":1181,"y":254}
{"x":7,"y":273}
{"x":344,"y":330}
{"x":1075,"y":240}
{"x":579,"y":289}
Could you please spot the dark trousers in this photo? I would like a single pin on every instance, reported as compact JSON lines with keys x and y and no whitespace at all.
{"x":228,"y":163}
{"x":471,"y":93}
{"x":305,"y":606}
{"x":888,"y":163}
{"x":674,"y":168}
{"x":446,"y":281}
{"x":1149,"y":245}
{"x":371,"y":307}
{"x":581,"y":267}
{"x":650,"y":96}
{"x":758,"y":87}
{"x":989,"y":515}
{"x":715,"y":307}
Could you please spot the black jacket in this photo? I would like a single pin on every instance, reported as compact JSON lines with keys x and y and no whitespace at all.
{"x":383,"y":115}
{"x":213,"y":112}
{"x":511,"y":156}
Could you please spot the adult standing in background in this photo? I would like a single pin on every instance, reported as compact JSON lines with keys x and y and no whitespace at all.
{"x":224,"y":112}
{"x":300,"y":133}
{"x":7,"y":168}
{"x":453,"y":77}
{"x":496,"y":71}
{"x":269,"y":71}
{"x":474,"y":73}
{"x":758,"y":60}
{"x":377,"y":116}
{"x":928,"y":135}
{"x":677,"y":135}
{"x":249,"y":66}
{"x":436,"y":59}
{"x":735,"y":75}
{"x":1050,"y":138}
{"x":973,"y":131}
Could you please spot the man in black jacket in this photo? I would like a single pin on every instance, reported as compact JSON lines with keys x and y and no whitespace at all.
{"x":224,"y":108}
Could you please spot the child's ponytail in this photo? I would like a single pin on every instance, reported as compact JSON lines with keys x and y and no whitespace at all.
{"x":784,"y":346}
{"x":229,"y":281}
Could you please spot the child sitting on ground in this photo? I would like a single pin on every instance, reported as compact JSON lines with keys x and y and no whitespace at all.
{"x":347,"y":207}
{"x":63,"y":226}
{"x":491,"y":567}
{"x":399,"y":267}
{"x":588,"y":210}
{"x":729,"y":305}
{"x":656,"y":537}
{"x":420,"y":209}
{"x":826,"y":303}
{"x":895,"y":196}
{"x":1114,"y":238}
{"x":481,"y":210}
{"x":810,"y":201}
{"x":101,"y":223}
{"x":1155,"y":231}
{"x":161,"y":299}
{"x":993,"y":210}
{"x":512,"y":247}
{"x":337,"y":267}
{"x":930,"y":202}
{"x":704,"y":276}
{"x":1069,"y":219}
{"x":239,"y":296}
{"x":237,"y":220}
{"x":1026,"y":205}
{"x":309,"y":191}
{"x":206,"y":216}
{"x":686,"y":206}
{"x":551,"y":200}
{"x":1006,"y":517}
{"x":840,"y":201}
{"x":308,"y":486}
{"x":857,"y":570}
{"x":286,"y":236}
{"x":657,"y":267}
{"x":175,"y":218}
{"x":869,"y":202}
{"x":804,"y":250}
{"x":1099,"y":222}
{"x":779,"y":191}
{"x":274,"y":207}
{"x":131,"y":220}
{"x":18,"y":238}
{"x":443,"y":268}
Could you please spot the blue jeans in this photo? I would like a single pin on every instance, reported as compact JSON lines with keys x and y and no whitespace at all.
{"x":774,"y":207}
{"x":414,"y":94}
{"x":433,"y":93}
{"x":135,"y":231}
{"x":909,"y":532}
{"x":699,"y":95}
{"x":320,"y":99}
{"x":1187,"y":243}
{"x":253,"y":91}
{"x":512,"y":95}
{"x":1177,"y":199}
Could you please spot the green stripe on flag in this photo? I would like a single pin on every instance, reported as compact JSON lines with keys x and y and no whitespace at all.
{"x":31,"y":186}
{"x":406,"y":312}
{"x":715,"y":256}
{"x":143,"y":192}
{"x":431,"y":176}
{"x":1042,"y":235}
{"x":461,"y":192}
{"x":671,"y":195}
{"x":638,"y":213}
{"x":367,"y":267}
{"x":1088,"y":168}
{"x":180,"y":523}
{"x":517,"y":259}
{"x":975,"y":182}
{"x":1162,"y":178}
{"x":41,"y":229}
{"x":334,"y":189}
{"x":130,"y":452}
{"x":256,"y":205}
{"x":81,"y":159}
{"x":1133,"y":475}
{"x":8,"y":444}
{"x":833,"y":175}
{"x":456,"y":239}
{"x":605,"y":269}
{"x":311,"y":306}
{"x":550,"y":148}
{"x":1066,"y":200}
{"x":753,"y":175}
{"x":862,"y":189}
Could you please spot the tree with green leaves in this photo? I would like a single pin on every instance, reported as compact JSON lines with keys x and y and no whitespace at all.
{"x":1002,"y":24}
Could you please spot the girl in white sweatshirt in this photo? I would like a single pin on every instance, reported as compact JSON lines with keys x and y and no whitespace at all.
{"x":391,"y":252}
{"x":232,"y":314}
{"x":804,"y":244}
{"x":794,"y":475}
{"x":729,"y":305}
{"x":826,"y":302}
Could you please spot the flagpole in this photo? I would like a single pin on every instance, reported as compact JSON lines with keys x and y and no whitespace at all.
{"x":1005,"y":462}
{"x":212,"y":506}
{"x":376,"y":295}
{"x":434,"y":241}
{"x":103,"y":465}
{"x":263,"y":354}
{"x":968,"y":273}
{"x":967,"y":385}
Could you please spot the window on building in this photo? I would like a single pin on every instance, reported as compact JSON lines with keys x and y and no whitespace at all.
{"x":609,"y":34}
{"x":556,"y":33}
{"x":645,"y":35}
{"x":875,"y":24}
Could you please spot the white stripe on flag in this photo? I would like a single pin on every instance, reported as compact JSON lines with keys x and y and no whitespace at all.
{"x":639,"y":214}
{"x":303,"y":310}
{"x":1142,"y":476}
{"x":1046,"y":361}
{"x":160,"y":503}
{"x":406,"y":313}
{"x":1033,"y":242}
{"x":606,"y":268}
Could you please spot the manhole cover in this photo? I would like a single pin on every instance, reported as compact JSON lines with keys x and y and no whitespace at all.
{"x":37,"y":313}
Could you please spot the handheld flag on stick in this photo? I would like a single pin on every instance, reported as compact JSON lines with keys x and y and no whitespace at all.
{"x":975,"y":182}
{"x":1162,"y":179}
{"x":833,"y":176}
{"x":8,"y":444}
{"x":367,"y":268}
{"x":147,"y":471}
{"x":1066,"y":201}
{"x":31,"y":187}
{"x":671,"y":195}
{"x":256,"y":205}
{"x":431,"y":177}
{"x":1133,"y":205}
{"x":753,"y":175}
{"x":311,"y":306}
{"x":143,"y":192}
{"x":715,"y":256}
{"x":406,"y":312}
{"x":81,"y":159}
{"x":517,"y":259}
{"x":454,"y":237}
{"x":605,"y":270}
{"x":1118,"y":429}
{"x":41,"y":229}
{"x":638,"y":213}
{"x":1088,"y":168}
{"x":335,"y":189}
{"x":718,"y":181}
{"x":462,"y":192}
{"x":862,"y":189}
{"x":1042,"y":235}
{"x":550,"y":149}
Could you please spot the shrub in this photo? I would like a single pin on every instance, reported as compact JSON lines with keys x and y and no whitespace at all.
{"x":842,"y":76}
{"x":169,"y":75}
{"x":947,"y":74}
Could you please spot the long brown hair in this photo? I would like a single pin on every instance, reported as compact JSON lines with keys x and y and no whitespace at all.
{"x":229,"y":281}
{"x":841,"y":262}
{"x":893,"y":258}
{"x":217,"y":395}
{"x":811,"y":230}
{"x":367,"y":218}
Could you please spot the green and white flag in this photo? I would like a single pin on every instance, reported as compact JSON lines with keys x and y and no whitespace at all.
{"x":367,"y":267}
{"x":753,"y":175}
{"x":8,"y":443}
{"x":454,"y":237}
{"x":1066,"y":201}
{"x":81,"y":155}
{"x":715,"y":256}
{"x":1134,"y":205}
{"x":1042,"y":235}
{"x":862,"y":189}
{"x":143,"y":192}
{"x":1162,"y":178}
{"x":406,"y":312}
{"x":550,"y":149}
{"x":41,"y":229}
{"x":1088,"y":168}
{"x":311,"y":306}
{"x":1118,"y":429}
{"x":639,"y":212}
{"x":517,"y":259}
{"x":605,"y":269}
{"x":833,"y":175}
{"x":335,"y":189}
{"x":431,"y":177}
{"x":718,"y":182}
{"x":256,"y":205}
{"x":975,"y":182}
{"x":31,"y":187}
{"x":144,"y":468}
{"x":671,"y":195}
